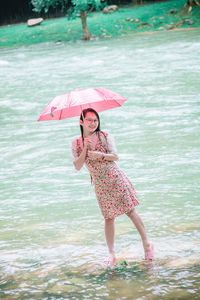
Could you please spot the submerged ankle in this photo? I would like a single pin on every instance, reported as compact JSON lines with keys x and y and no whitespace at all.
{"x":146,"y":246}
{"x":112,"y":253}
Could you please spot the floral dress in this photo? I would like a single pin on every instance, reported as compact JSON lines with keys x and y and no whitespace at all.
{"x":114,"y":191}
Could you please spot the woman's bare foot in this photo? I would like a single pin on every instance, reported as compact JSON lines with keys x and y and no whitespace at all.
{"x":149,"y":252}
{"x":110,"y":261}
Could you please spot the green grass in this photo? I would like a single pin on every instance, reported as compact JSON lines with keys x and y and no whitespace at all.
{"x":124,"y":21}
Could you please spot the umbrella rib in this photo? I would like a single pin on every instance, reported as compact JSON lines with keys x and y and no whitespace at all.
{"x":60,"y":114}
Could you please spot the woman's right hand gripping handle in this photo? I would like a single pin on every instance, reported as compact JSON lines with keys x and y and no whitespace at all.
{"x":81,"y":160}
{"x":86,"y":143}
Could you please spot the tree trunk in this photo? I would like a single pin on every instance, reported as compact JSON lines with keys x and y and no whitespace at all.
{"x":86,"y":34}
{"x":193,"y":2}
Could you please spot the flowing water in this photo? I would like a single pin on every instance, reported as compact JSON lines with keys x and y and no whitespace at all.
{"x":51,"y":236}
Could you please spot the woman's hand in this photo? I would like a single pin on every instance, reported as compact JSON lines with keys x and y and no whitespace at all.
{"x":81,"y":159}
{"x":94,"y":155}
{"x":87,"y":143}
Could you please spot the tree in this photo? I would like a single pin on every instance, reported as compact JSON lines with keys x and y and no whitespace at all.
{"x":72,"y":9}
{"x":191,"y":3}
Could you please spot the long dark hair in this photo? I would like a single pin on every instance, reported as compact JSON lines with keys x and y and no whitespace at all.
{"x":85,"y":111}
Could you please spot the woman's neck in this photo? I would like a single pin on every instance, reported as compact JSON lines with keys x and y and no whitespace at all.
{"x":89,"y":134}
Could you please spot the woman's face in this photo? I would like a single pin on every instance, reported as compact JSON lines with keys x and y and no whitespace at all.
{"x":91,"y":122}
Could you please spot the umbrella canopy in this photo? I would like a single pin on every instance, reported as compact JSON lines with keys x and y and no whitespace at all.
{"x":73,"y":103}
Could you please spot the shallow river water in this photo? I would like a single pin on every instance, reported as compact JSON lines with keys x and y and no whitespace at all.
{"x":52,"y":237}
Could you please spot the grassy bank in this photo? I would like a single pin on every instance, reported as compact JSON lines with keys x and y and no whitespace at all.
{"x":135,"y":19}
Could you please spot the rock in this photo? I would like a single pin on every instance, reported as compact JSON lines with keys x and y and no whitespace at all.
{"x":182,"y":262}
{"x":170,"y":26}
{"x":190,"y":22}
{"x":109,"y":9}
{"x":179,"y":23}
{"x":34,"y":22}
{"x":172,"y":11}
{"x":132,"y":20}
{"x":144,"y":23}
{"x":58,"y":42}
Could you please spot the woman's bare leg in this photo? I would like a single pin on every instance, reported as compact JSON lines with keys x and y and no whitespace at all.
{"x":110,"y":237}
{"x":137,"y":221}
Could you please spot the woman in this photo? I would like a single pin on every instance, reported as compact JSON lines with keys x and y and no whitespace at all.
{"x":114,"y":191}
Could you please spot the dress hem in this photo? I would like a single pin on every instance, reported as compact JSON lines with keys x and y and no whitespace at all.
{"x":121,"y":213}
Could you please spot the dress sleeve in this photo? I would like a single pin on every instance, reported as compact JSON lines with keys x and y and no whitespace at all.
{"x":74,"y":150}
{"x":111,"y":144}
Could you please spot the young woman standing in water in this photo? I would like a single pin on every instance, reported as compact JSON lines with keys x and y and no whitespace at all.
{"x":114,"y":191}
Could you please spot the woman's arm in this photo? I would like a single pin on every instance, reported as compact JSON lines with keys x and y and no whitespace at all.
{"x":105,"y":156}
{"x":79,"y":162}
{"x":111,"y":150}
{"x":111,"y":156}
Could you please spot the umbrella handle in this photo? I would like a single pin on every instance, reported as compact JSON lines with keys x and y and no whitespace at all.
{"x":84,"y":125}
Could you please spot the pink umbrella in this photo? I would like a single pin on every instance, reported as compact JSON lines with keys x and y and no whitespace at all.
{"x":73,"y":103}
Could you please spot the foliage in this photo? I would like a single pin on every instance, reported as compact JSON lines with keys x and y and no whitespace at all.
{"x":193,"y":2}
{"x":72,"y":7}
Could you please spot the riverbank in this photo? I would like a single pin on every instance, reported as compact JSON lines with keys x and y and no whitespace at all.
{"x":160,"y":16}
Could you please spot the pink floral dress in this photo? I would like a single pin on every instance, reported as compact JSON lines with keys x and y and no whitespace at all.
{"x":114,"y":191}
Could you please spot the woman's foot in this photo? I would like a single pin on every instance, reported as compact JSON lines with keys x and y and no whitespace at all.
{"x":110,"y":261}
{"x":149,"y":252}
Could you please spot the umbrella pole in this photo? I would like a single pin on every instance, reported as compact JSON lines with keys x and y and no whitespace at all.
{"x":84,"y":125}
